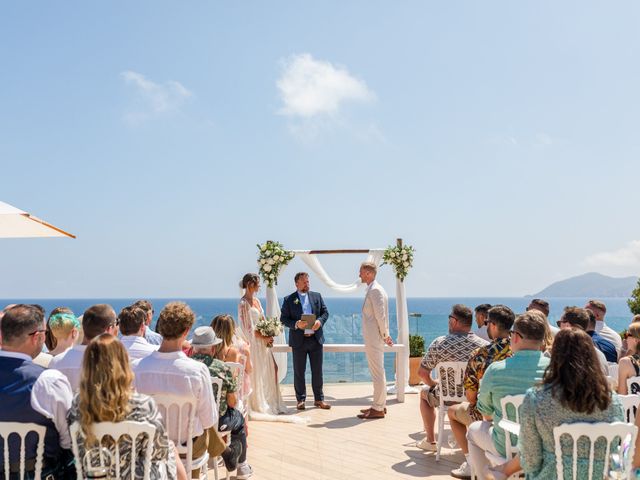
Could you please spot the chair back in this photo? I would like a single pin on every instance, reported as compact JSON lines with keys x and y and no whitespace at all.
{"x":630,"y":405}
{"x":237,"y":370}
{"x":136,"y":431}
{"x":633,"y":385}
{"x":216,"y":382}
{"x":451,"y":375}
{"x":178,"y":416}
{"x":592,"y":432}
{"x":613,"y":371}
{"x":21,"y":430}
{"x":510,"y":405}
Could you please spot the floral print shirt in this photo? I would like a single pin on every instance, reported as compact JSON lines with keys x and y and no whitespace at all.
{"x":218,"y":369}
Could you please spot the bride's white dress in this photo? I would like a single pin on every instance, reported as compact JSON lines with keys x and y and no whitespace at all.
{"x":265,"y":399}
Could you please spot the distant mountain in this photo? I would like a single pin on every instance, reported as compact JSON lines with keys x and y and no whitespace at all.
{"x":590,"y":285}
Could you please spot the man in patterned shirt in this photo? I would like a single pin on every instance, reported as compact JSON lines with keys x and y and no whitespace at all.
{"x":455,"y":347}
{"x":499,"y":322}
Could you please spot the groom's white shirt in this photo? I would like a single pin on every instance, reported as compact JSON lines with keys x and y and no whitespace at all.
{"x":375,"y":315}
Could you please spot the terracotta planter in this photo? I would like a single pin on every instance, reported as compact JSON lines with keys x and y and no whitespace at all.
{"x":414,"y":364}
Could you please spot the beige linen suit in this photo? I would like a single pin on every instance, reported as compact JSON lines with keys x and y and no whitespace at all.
{"x":375,"y":328}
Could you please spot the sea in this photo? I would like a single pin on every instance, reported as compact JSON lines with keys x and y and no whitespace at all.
{"x":427,"y":317}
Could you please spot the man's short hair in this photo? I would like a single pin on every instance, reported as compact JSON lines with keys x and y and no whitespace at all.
{"x":300,"y":275}
{"x":597,"y":304}
{"x":540,"y":305}
{"x":502,"y":316}
{"x":144,"y":305}
{"x":576,"y":316}
{"x":531,"y":325}
{"x":131,"y":319}
{"x":462,"y":313}
{"x":20,"y":320}
{"x":592,"y":320}
{"x":369,"y":266}
{"x":483,"y":308}
{"x":97,"y":319}
{"x":175,"y":319}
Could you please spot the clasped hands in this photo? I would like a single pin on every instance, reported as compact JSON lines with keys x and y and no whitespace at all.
{"x":303,"y":325}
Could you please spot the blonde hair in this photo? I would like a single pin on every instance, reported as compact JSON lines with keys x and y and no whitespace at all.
{"x":369,"y":266}
{"x":225,"y":328}
{"x":105,"y":384}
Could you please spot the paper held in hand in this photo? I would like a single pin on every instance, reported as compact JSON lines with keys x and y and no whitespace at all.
{"x":309,"y":318}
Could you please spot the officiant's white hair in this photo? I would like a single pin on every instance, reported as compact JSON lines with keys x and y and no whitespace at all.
{"x":369,"y":266}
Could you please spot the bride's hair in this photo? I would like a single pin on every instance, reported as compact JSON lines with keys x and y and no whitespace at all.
{"x":249,"y":279}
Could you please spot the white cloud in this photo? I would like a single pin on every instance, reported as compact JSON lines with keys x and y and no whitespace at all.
{"x":311,"y":87}
{"x":154,"y":98}
{"x":627,"y":256}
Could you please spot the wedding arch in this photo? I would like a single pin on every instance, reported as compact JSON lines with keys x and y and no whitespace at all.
{"x":273,"y":259}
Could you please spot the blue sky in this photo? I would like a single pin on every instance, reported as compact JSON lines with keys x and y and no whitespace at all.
{"x":498,"y":138}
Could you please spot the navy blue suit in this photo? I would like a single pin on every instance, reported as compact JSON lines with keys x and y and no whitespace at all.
{"x":305,"y":345}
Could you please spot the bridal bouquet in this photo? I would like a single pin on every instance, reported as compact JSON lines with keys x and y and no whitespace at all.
{"x":272,"y":257}
{"x":269,"y":327}
{"x":400,"y":258}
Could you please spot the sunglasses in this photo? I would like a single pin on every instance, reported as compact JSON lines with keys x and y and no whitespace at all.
{"x":43,"y":330}
{"x":514,"y":332}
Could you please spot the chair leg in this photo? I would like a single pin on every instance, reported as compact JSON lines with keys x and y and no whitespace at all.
{"x":215,"y":468}
{"x":441,"y":413}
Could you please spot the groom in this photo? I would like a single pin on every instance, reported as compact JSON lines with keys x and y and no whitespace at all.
{"x":305,"y":341}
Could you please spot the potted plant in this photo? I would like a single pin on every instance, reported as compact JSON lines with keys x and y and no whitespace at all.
{"x":416,"y":351}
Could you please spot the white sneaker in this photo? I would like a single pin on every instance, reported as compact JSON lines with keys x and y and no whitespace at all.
{"x":426,"y":445}
{"x":244,"y":471}
{"x":464,"y":471}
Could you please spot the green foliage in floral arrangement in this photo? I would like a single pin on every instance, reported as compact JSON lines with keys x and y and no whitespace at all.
{"x":400,"y":258}
{"x":416,"y":346}
{"x":272,"y":257}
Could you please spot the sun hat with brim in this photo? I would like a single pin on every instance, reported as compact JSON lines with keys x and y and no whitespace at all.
{"x":205,"y":337}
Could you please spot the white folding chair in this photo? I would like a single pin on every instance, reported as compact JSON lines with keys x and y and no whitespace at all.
{"x":116,"y":430}
{"x":178,"y":411}
{"x":592,"y":432}
{"x":218,"y":391}
{"x":511,"y":426}
{"x":451,"y":374}
{"x":613,"y":370}
{"x":237,"y":370}
{"x":21,"y":430}
{"x":633,"y":385}
{"x":630,"y":405}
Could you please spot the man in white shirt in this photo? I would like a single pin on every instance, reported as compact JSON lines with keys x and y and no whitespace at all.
{"x":96,"y":320}
{"x":31,"y":394}
{"x":482,"y":312}
{"x":149,"y":335}
{"x":132,"y":326}
{"x":170,"y":371}
{"x":599,"y":309}
{"x":543,"y":306}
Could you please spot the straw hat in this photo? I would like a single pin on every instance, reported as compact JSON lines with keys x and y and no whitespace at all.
{"x":205,"y":337}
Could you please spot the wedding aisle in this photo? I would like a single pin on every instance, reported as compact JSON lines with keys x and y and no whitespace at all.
{"x":336,"y":444}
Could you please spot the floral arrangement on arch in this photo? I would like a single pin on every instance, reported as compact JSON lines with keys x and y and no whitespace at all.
{"x":272,"y":257}
{"x":400,"y":258}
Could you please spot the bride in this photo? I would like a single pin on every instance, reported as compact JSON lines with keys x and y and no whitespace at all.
{"x":265,"y":399}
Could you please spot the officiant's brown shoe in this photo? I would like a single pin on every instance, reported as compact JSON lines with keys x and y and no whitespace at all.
{"x":365,"y":410}
{"x":371,"y":414}
{"x":301,"y":406}
{"x":321,"y":404}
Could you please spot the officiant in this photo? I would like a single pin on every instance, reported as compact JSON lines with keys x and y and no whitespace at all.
{"x":305,"y":313}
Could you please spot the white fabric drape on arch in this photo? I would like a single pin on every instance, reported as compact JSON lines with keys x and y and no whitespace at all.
{"x":273,"y":310}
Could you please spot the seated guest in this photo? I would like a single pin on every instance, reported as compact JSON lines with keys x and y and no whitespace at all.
{"x":211,"y":350}
{"x":44,"y":358}
{"x":512,"y":376}
{"x":605,"y":346}
{"x":543,"y":306}
{"x":106,"y":364}
{"x":149,"y":335}
{"x":573,"y":390}
{"x":31,"y":394}
{"x":225,"y":328}
{"x":600,"y":310}
{"x":481,"y":321}
{"x":63,"y":329}
{"x":170,"y":371}
{"x":455,"y":347}
{"x":630,"y":365}
{"x":132,"y":326}
{"x":575,"y":317}
{"x":499,"y":322}
{"x":96,"y":320}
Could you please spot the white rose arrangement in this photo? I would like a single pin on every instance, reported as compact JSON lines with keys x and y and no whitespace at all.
{"x":272,"y":257}
{"x":400,"y":258}
{"x":269,"y":327}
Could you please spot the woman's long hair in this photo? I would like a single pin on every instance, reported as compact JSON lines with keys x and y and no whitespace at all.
{"x":225,"y":328}
{"x":574,"y":374}
{"x":105,"y":384}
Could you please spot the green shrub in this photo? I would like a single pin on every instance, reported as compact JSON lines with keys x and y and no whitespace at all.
{"x":634,"y":301}
{"x":416,"y":346}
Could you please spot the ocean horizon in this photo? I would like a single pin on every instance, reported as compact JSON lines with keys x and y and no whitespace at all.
{"x":429,"y":319}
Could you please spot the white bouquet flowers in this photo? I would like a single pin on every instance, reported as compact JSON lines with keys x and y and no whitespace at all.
{"x":272,"y":257}
{"x":269,"y":327}
{"x":400,"y":258}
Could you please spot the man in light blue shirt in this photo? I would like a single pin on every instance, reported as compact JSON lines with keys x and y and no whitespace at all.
{"x":150,"y":336}
{"x":512,"y":376}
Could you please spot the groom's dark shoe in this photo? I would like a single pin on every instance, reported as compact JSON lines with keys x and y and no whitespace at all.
{"x":301,"y":405}
{"x":321,"y":404}
{"x":365,"y":410}
{"x":371,"y":414}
